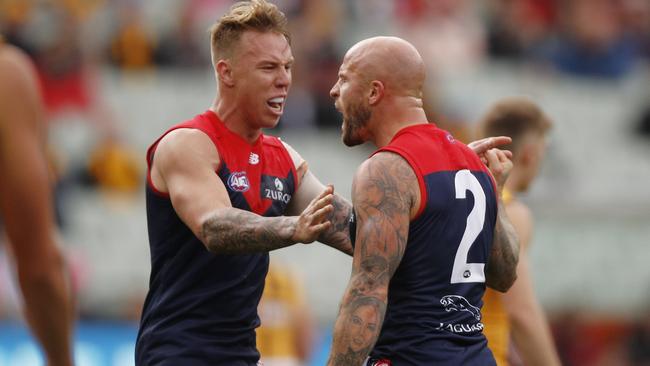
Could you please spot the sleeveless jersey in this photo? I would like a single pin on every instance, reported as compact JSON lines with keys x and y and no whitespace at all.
{"x":433,"y":315}
{"x":495,"y":318}
{"x":201,"y":308}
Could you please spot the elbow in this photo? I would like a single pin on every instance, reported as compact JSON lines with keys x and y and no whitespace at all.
{"x":216,"y":233}
{"x":502,"y":281}
{"x":47,"y":272}
{"x":208,"y":231}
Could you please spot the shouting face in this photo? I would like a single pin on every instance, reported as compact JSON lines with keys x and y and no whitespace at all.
{"x":349,"y":98}
{"x":261,"y":77}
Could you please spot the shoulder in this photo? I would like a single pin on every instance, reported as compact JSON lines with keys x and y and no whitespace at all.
{"x":386,"y":176}
{"x":19,"y":93}
{"x":185,"y":145}
{"x":387,"y":165}
{"x":13,"y":60}
{"x":295,"y":156}
{"x":298,"y":162}
{"x":521,"y":218}
{"x":16,"y":72}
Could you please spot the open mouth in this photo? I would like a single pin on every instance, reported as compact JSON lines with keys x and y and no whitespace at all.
{"x":276,"y":104}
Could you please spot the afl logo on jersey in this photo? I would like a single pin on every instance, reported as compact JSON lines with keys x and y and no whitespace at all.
{"x":238,"y":182}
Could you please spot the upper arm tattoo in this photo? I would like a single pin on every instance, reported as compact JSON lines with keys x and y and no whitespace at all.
{"x":384,"y":191}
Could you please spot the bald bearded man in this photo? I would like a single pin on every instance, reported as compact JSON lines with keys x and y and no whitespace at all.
{"x":429,"y":234}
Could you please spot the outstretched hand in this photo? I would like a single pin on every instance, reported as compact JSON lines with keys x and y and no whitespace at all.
{"x":481,"y":147}
{"x":314,"y":218}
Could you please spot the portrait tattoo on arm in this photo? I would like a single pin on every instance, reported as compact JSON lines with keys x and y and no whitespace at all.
{"x":384,"y":192}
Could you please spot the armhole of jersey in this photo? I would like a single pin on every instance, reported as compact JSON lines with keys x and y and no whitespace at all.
{"x":494,"y":183}
{"x":278,"y":142}
{"x":418,"y":174}
{"x":150,"y":154}
{"x":152,"y":150}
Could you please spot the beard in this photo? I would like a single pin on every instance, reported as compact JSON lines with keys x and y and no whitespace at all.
{"x":355,"y":118}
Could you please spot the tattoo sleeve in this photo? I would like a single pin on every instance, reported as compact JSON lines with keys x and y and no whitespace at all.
{"x":338,"y":235}
{"x":383,"y":194}
{"x":235,"y":231}
{"x":501,"y":271}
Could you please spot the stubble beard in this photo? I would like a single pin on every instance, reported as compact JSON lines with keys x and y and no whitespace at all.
{"x":358,"y":116}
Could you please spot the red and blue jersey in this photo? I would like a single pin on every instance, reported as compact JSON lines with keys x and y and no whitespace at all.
{"x":433,"y":315}
{"x":201,"y":308}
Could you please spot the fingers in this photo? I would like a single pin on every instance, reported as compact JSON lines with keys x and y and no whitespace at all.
{"x":493,"y":160}
{"x":329,"y":189}
{"x":319,"y":202}
{"x":321,"y":227}
{"x":322,"y":213}
{"x":483,"y":145}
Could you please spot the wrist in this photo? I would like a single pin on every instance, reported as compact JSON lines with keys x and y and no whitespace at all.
{"x":290,"y":226}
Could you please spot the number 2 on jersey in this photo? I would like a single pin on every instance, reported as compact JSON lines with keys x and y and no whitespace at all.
{"x":464,"y":272}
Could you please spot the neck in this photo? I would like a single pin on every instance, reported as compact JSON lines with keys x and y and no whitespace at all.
{"x":234,"y":120}
{"x":396,"y":116}
{"x":515,"y":182}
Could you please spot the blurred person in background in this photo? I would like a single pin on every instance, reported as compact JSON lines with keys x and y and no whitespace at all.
{"x":26,"y":208}
{"x":517,"y":314}
{"x":286,"y":335}
{"x":424,"y":250}
{"x":516,"y":28}
{"x":593,"y":40}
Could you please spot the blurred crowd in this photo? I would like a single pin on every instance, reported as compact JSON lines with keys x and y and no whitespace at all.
{"x":71,"y":41}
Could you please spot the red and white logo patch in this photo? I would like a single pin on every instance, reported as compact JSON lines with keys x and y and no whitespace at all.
{"x":238,"y":182}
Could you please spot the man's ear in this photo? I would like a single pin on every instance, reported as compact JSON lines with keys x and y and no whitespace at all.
{"x":527,"y":153}
{"x":224,"y":72}
{"x":376,"y":92}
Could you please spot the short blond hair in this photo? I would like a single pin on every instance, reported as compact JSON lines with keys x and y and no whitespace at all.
{"x":514,"y":117}
{"x":254,"y":15}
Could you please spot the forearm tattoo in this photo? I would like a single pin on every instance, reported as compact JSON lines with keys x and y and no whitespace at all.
{"x":501,"y":270}
{"x":338,"y":235}
{"x":234,"y":231}
{"x":384,"y":192}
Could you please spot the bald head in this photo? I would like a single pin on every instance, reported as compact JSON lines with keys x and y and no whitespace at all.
{"x":391,"y":60}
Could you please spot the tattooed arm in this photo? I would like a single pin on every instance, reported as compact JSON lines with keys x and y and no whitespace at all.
{"x":184,"y":166}
{"x":337,"y":235}
{"x":386,"y":196}
{"x":501,"y":269}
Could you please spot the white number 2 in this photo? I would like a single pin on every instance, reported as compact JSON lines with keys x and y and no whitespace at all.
{"x":464,"y":272}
